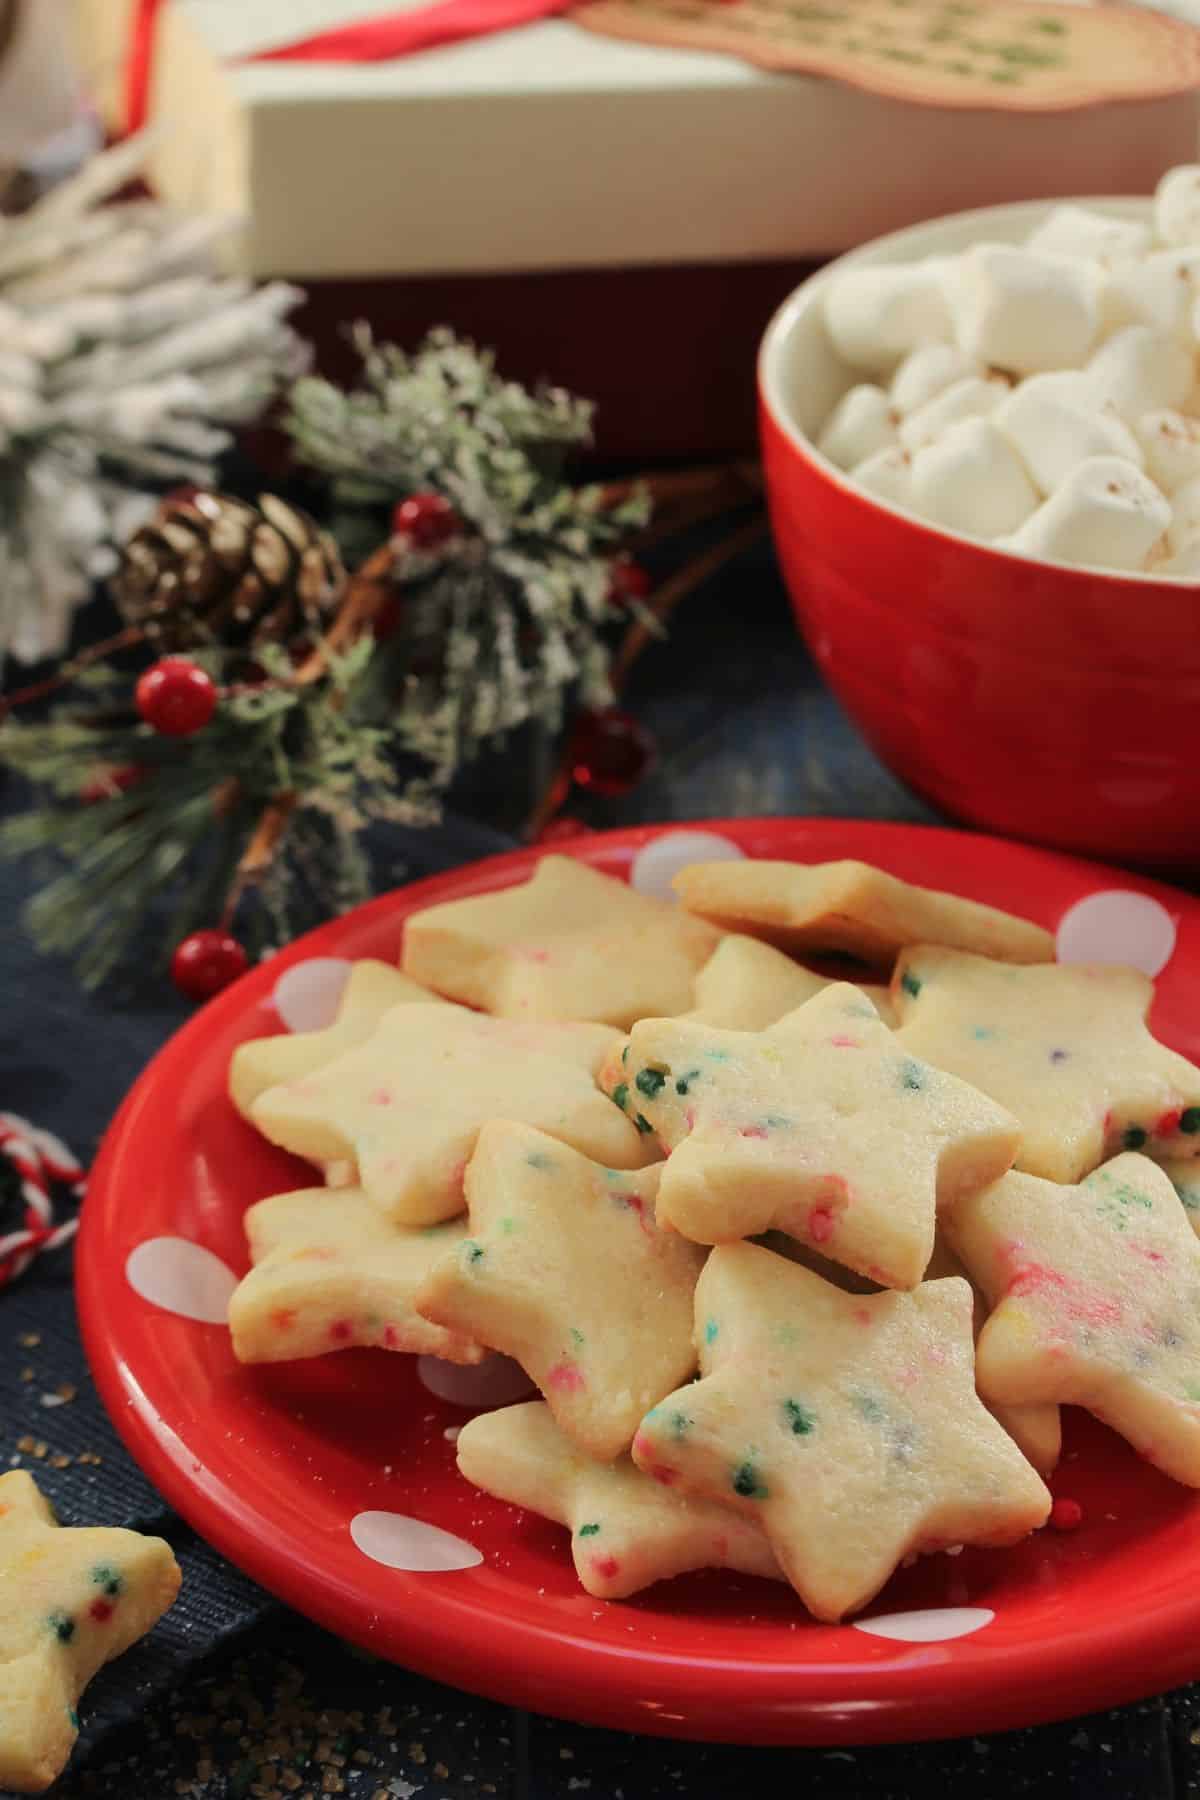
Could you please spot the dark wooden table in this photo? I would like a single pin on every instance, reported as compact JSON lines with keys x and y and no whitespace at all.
{"x":744,"y":728}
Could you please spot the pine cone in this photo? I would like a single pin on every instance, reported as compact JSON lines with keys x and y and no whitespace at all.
{"x":211,"y":569}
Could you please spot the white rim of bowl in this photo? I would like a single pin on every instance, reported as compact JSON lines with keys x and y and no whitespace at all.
{"x":769,"y":374}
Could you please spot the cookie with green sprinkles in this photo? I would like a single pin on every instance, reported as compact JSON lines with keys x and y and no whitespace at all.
{"x":846,"y":1426}
{"x":332,"y":1272}
{"x":570,"y":943}
{"x":1064,"y":1046}
{"x":1094,"y":1292}
{"x":627,"y":1530}
{"x":404,"y":1108}
{"x":70,"y":1600}
{"x":1027,"y":58}
{"x":575,"y":1279}
{"x":819,"y":1127}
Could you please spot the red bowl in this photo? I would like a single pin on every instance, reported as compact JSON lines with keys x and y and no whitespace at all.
{"x":1054,"y":704}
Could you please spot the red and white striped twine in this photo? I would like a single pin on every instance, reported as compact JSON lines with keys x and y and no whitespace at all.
{"x":43,"y":1163}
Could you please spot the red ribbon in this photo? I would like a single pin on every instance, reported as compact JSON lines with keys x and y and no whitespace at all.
{"x":371,"y":40}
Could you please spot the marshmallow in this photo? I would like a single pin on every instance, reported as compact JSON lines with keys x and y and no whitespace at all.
{"x":861,"y":423}
{"x":1106,"y":515}
{"x":1078,"y":231}
{"x":924,"y":373}
{"x":1015,"y":309}
{"x":1177,"y":205}
{"x":1055,"y":425}
{"x":973,"y":397}
{"x":1139,"y":371}
{"x":888,"y":476}
{"x":1171,"y":442}
{"x":972,"y":480}
{"x":1184,"y":527}
{"x":875,"y":316}
{"x":1161,"y":291}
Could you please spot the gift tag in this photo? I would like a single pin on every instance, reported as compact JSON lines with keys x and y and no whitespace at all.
{"x":1006,"y":54}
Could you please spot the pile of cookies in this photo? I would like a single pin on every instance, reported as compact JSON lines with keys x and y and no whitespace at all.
{"x":803,"y":1268}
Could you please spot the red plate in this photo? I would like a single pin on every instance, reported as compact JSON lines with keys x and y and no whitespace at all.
{"x":272,"y":1464}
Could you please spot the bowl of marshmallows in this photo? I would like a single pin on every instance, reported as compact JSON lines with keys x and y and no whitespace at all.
{"x":981,"y":442}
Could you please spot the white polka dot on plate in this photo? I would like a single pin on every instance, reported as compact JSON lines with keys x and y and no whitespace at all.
{"x":306,"y":996}
{"x":399,"y":1542}
{"x":658,"y":862}
{"x":933,"y":1625}
{"x":181,"y":1277}
{"x":496,"y":1381}
{"x":1117,"y":926}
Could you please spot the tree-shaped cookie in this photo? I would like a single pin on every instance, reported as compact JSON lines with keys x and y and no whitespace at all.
{"x":821,"y":1127}
{"x":70,"y":1600}
{"x":1096,"y":1291}
{"x":331,"y":1272}
{"x":1063,"y":1046}
{"x":406,"y":1106}
{"x":568,"y":944}
{"x":849,"y":906}
{"x":372,"y":989}
{"x":627,"y":1530}
{"x":847,"y":1425}
{"x":568,"y":1271}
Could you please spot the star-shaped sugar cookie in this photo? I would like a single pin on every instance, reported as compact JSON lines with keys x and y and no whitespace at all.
{"x":405,"y":1107}
{"x":627,"y":1531}
{"x":1063,"y":1046}
{"x":332,"y":1272}
{"x":1036,"y":1430}
{"x":1184,"y":1176}
{"x":568,"y":944}
{"x":568,"y":1271}
{"x":747,"y":986}
{"x":820,"y":1126}
{"x":70,"y":1600}
{"x":1096,"y":1291}
{"x":846,"y":1425}
{"x":851,"y":907}
{"x":372,"y":989}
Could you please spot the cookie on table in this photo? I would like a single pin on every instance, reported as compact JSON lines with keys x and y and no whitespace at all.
{"x":850,"y":907}
{"x":846,"y":1425}
{"x":820,"y":1127}
{"x":331,"y":1272}
{"x":569,"y":943}
{"x":1094,"y":1290}
{"x":1036,"y":1430}
{"x":627,"y":1531}
{"x":1063,"y":1046}
{"x":372,"y":989}
{"x":746,"y":985}
{"x":568,"y":1271}
{"x":70,"y":1600}
{"x":405,"y":1107}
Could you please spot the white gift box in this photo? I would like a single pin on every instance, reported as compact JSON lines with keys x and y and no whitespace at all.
{"x":548,"y":148}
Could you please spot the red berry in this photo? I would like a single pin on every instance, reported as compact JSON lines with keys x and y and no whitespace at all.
{"x":609,"y":752}
{"x":176,"y":697}
{"x":426,"y":520}
{"x":627,"y":580}
{"x":206,"y":962}
{"x":1066,"y":1515}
